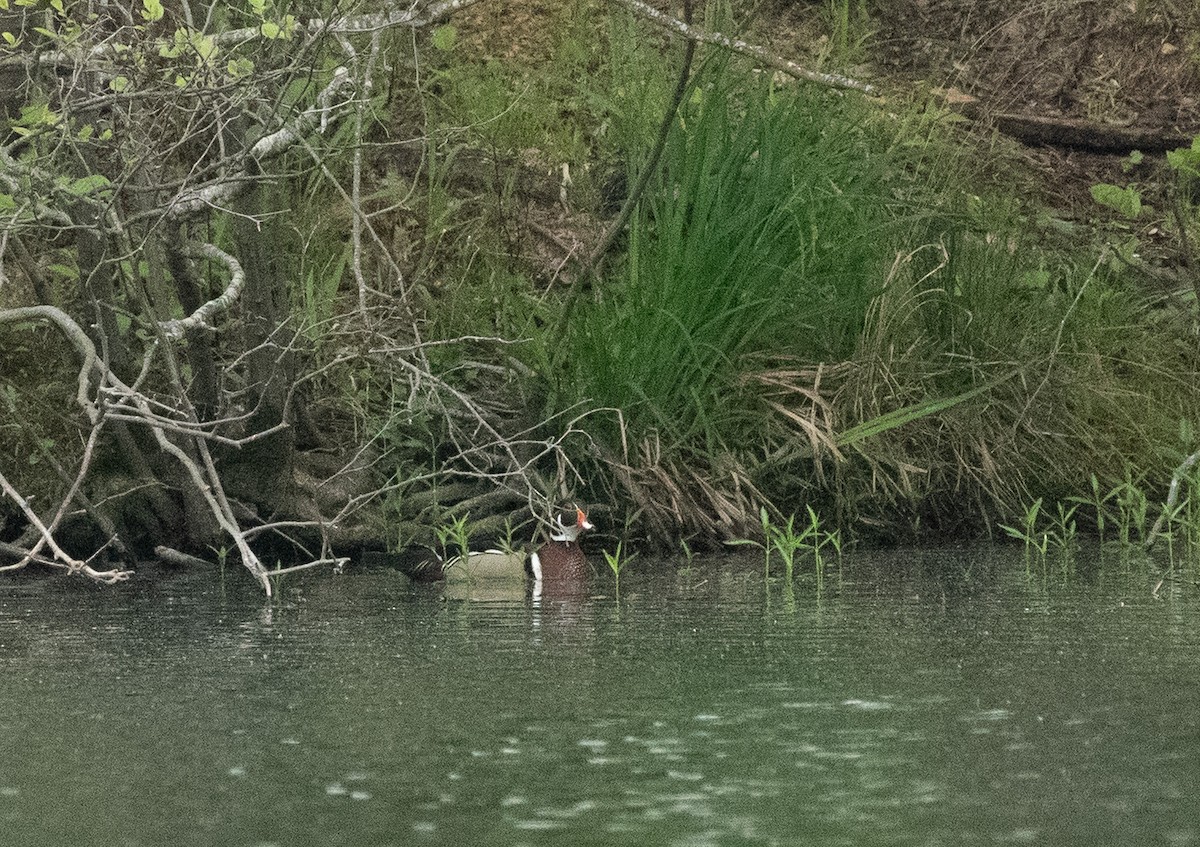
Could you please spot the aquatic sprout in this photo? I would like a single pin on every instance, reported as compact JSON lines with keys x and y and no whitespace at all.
{"x":764,"y":545}
{"x":1027,"y":532}
{"x":1097,"y":502}
{"x":689,"y":555}
{"x":222,"y":557}
{"x":616,"y":563}
{"x":1062,"y":534}
{"x":787,"y":541}
{"x":456,"y":536}
{"x":1132,"y":508}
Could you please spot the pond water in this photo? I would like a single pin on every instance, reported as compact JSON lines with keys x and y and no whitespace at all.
{"x":934,"y":697}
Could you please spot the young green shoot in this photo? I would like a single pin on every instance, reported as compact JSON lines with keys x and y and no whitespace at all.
{"x":1132,"y":508}
{"x":689,"y":555}
{"x":818,"y":540}
{"x":454,"y":538}
{"x":508,"y":544}
{"x":1028,"y":530}
{"x":1062,"y":535}
{"x":222,"y":557}
{"x":1175,"y":516}
{"x":787,"y":542}
{"x":616,"y":563}
{"x":1097,"y":502}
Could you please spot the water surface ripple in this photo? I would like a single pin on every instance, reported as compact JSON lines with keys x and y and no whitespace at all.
{"x":936,"y":697}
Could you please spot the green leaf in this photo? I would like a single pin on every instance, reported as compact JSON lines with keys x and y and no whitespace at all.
{"x":1127,"y":201}
{"x":1014,"y":532}
{"x":185,"y":41}
{"x":10,"y":39}
{"x":118,"y":83}
{"x":152,"y":10}
{"x":89,"y":184}
{"x":7,"y":203}
{"x":172,"y":50}
{"x":68,"y":272}
{"x":269,"y":29}
{"x":205,"y":46}
{"x":908,"y":414}
{"x":258,"y":7}
{"x":240,"y":68}
{"x":1186,"y":160}
{"x":444,"y":37}
{"x":37,"y":114}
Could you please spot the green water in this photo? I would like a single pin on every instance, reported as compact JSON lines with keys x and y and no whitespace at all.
{"x":925,"y":698}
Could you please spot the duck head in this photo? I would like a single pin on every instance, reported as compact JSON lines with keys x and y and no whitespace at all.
{"x":571,"y":532}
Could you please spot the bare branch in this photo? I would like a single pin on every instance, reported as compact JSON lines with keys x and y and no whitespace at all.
{"x":78,"y":338}
{"x":206,"y":480}
{"x":415,"y":14}
{"x":738,"y":46}
{"x":199,"y":319}
{"x":61,"y":559}
{"x":193,"y":200}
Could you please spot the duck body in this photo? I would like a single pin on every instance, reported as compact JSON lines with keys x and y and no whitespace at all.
{"x":490,"y":565}
{"x":490,"y":575}
{"x":561,"y":559}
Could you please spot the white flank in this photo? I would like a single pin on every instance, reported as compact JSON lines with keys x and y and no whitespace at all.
{"x":536,"y":566}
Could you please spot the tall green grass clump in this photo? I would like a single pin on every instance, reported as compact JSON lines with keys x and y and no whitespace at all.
{"x":760,"y":238}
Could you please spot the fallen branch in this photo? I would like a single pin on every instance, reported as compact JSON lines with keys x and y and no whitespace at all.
{"x":1062,"y":131}
{"x":1052,"y":131}
{"x":338,"y":563}
{"x":177,"y":557}
{"x":736,"y":45}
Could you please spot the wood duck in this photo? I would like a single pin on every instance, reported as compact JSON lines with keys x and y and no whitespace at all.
{"x":561,"y":559}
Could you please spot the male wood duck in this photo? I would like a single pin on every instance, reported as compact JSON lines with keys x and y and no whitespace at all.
{"x":561,"y":559}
